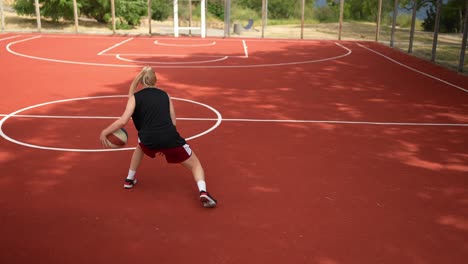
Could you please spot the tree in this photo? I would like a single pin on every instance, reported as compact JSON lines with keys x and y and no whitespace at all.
{"x":451,"y":19}
{"x":128,"y":12}
{"x":360,"y":10}
{"x":452,"y":14}
{"x":54,"y":9}
{"x":216,"y":7}
{"x":278,"y":9}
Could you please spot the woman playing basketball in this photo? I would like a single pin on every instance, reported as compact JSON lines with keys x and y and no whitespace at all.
{"x":153,"y":115}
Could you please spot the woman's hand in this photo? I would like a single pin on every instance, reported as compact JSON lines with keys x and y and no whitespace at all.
{"x":103,"y":139}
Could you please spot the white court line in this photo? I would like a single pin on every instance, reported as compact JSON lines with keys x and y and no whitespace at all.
{"x":177,"y":62}
{"x":245,"y":49}
{"x":8,"y":47}
{"x":342,"y":122}
{"x":9,"y":38}
{"x":13,"y":114}
{"x":115,"y":46}
{"x":413,"y":69}
{"x":165,"y":55}
{"x":183,"y":45}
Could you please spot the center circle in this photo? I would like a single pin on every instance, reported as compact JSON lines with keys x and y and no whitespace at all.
{"x":219,"y":119}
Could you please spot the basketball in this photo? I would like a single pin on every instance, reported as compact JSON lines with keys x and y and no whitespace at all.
{"x":117,"y":138}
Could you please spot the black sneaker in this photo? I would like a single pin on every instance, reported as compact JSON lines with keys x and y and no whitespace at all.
{"x":129,"y":183}
{"x":207,"y":200}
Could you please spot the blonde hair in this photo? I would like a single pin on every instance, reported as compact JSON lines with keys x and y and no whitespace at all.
{"x":149,"y":77}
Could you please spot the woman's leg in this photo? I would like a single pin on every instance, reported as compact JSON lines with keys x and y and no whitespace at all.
{"x":134,"y":164}
{"x":136,"y":158}
{"x":193,"y":164}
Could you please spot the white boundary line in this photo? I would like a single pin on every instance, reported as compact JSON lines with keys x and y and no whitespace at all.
{"x":156,"y":42}
{"x":161,"y":62}
{"x":162,"y":55}
{"x":245,"y":48}
{"x":342,"y":122}
{"x":8,"y":47}
{"x":413,"y":69}
{"x":9,"y":37}
{"x":115,"y":46}
{"x":13,"y":114}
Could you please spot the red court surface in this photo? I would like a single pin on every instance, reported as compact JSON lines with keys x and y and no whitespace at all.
{"x":317,"y":151}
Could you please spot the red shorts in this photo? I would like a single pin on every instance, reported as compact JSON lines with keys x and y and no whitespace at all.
{"x":173,"y":155}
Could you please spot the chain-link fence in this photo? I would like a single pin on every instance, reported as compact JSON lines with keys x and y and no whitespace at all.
{"x":432,"y":29}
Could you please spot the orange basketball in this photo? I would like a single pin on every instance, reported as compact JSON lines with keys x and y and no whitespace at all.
{"x":118,"y":138}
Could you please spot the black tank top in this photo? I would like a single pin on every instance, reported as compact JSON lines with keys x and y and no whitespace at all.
{"x":153,"y":121}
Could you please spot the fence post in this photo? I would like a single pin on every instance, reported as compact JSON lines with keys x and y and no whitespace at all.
{"x":379,"y":19}
{"x":302,"y":19}
{"x":149,"y":17}
{"x":464,"y":41}
{"x":227,"y":18}
{"x":113,"y":15}
{"x":264,"y":18}
{"x":436,"y":30}
{"x":176,"y":19}
{"x":38,"y":15}
{"x":413,"y":25}
{"x":75,"y":15}
{"x":340,"y":27}
{"x":190,"y":17}
{"x":395,"y":14}
{"x":2,"y":17}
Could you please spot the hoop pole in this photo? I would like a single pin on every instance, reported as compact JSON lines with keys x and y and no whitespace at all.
{"x":203,"y":18}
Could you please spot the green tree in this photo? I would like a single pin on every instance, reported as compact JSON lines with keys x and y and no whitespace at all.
{"x":54,"y":9}
{"x":216,"y":7}
{"x":451,"y":18}
{"x":452,"y":14}
{"x":278,"y":9}
{"x":161,"y":9}
{"x":128,"y":12}
{"x":360,"y":10}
